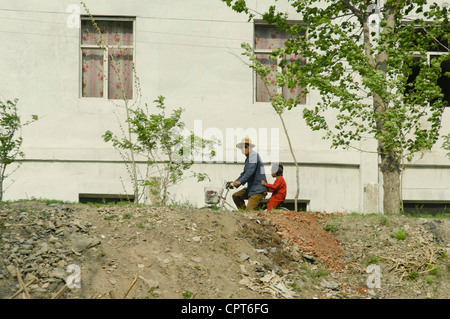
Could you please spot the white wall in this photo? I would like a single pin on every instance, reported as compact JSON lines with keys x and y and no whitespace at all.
{"x":188,"y":51}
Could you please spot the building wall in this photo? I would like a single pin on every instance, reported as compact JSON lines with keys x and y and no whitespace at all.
{"x":189,"y":52}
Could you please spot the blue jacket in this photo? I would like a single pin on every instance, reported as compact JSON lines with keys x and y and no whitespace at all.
{"x":253,"y":174}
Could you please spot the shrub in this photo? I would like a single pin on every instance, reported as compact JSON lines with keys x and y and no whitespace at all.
{"x":400,"y":235}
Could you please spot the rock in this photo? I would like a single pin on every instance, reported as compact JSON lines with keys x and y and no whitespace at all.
{"x":29,"y":277}
{"x":53,"y":239}
{"x":43,"y":249}
{"x":175,"y":255}
{"x":79,"y":244}
{"x":267,"y":277}
{"x":77,"y":223}
{"x":283,"y":290}
{"x":300,"y":284}
{"x":27,"y":247}
{"x":12,"y":270}
{"x":196,"y":259}
{"x":309,"y":257}
{"x":329,"y":284}
{"x":58,"y":273}
{"x":153,"y":284}
{"x":25,"y":251}
{"x":261,"y":251}
{"x":61,"y":263}
{"x":243,"y":257}
{"x":42,"y":290}
{"x":50,"y":225}
{"x":260,"y":271}
{"x":258,"y":268}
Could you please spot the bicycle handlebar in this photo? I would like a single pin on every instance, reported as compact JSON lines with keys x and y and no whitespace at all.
{"x":229,"y":185}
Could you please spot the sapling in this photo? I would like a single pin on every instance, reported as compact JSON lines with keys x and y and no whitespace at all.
{"x":10,"y":138}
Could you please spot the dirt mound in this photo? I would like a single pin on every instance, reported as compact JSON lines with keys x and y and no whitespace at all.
{"x":161,"y":252}
{"x":145,"y":252}
{"x":305,"y":233}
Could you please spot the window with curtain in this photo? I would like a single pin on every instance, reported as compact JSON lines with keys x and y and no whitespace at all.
{"x":107,"y":52}
{"x":267,"y":38}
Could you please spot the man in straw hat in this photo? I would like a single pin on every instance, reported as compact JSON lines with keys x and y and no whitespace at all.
{"x":252,"y":175}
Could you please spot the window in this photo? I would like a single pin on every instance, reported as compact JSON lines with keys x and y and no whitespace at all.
{"x":436,"y":50}
{"x":268,"y":38}
{"x":104,"y":198}
{"x":443,"y":82}
{"x":412,"y":207}
{"x":107,"y":58}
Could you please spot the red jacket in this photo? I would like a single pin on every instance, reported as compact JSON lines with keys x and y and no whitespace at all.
{"x":278,"y":190}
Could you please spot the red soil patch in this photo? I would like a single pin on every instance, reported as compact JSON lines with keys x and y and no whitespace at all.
{"x":303,"y":230}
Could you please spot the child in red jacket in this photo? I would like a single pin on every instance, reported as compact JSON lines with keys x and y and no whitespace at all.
{"x":278,"y":188}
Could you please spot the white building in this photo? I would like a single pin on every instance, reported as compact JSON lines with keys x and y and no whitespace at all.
{"x":189,"y":52}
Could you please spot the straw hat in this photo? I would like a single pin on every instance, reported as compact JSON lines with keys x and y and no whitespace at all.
{"x":245,"y":141}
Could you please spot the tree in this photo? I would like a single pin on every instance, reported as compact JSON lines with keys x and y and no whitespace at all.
{"x":360,"y":58}
{"x":169,"y":148}
{"x":10,"y":137}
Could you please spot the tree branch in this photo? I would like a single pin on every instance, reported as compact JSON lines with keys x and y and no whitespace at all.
{"x":356,"y":12}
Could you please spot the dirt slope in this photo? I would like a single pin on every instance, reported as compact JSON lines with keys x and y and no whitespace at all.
{"x":125,"y":251}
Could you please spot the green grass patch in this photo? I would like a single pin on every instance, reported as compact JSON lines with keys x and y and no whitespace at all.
{"x":400,"y":234}
{"x":330,"y":228}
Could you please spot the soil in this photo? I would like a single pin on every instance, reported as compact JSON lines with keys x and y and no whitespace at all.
{"x":145,"y":252}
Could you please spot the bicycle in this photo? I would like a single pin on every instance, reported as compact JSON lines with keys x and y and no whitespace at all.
{"x":215,"y":198}
{"x":279,"y":207}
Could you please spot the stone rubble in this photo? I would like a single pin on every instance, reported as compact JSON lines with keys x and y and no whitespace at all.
{"x":42,"y":246}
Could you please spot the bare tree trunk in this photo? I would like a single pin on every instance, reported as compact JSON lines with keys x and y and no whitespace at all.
{"x":297,"y":174}
{"x":132,"y":160}
{"x":390,"y":168}
{"x":2,"y":180}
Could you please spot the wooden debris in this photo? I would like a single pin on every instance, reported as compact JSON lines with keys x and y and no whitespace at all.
{"x":22,"y":284}
{"x":129,"y":288}
{"x":60,"y":292}
{"x":416,"y":261}
{"x":21,"y":289}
